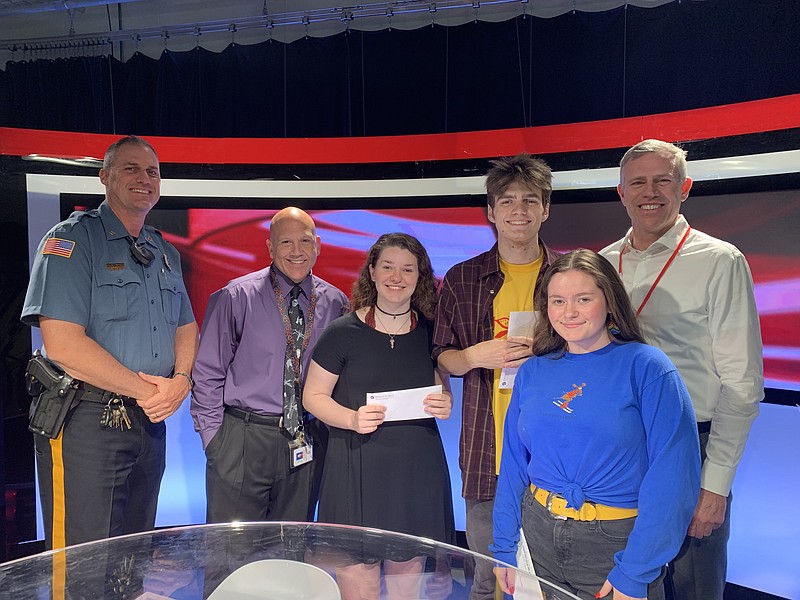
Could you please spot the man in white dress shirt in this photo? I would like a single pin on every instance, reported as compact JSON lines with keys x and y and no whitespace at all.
{"x":694,"y":294}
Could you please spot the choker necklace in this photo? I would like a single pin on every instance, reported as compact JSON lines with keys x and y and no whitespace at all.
{"x":393,"y":315}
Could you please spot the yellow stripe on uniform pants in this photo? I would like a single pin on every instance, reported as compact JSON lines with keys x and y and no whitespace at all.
{"x":58,"y":534}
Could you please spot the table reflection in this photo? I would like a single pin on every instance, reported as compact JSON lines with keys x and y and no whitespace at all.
{"x":253,"y":560}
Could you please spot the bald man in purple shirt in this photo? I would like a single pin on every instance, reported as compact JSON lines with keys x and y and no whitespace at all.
{"x":252,"y":467}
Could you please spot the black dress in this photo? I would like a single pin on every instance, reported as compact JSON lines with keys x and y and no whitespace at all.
{"x":395,"y":478}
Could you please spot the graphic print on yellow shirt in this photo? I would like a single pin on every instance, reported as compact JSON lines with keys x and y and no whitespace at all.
{"x":515,"y":294}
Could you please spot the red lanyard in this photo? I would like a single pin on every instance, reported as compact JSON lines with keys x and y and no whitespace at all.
{"x":663,"y":269}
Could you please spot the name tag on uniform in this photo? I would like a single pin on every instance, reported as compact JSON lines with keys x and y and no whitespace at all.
{"x":301,"y":450}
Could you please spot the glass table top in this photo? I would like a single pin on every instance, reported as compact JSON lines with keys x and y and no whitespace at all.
{"x":275,"y":560}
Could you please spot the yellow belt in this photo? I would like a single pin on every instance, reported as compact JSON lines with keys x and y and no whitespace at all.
{"x":557,"y":506}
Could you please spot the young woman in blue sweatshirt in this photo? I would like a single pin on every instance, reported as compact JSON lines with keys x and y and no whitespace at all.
{"x":600,"y":423}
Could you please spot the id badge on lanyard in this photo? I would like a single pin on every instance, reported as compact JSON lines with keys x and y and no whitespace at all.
{"x":301,"y":449}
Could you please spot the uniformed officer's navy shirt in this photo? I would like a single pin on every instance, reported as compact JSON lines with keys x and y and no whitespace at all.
{"x":86,"y":275}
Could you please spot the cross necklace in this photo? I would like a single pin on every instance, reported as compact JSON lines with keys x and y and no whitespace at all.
{"x":391,"y":335}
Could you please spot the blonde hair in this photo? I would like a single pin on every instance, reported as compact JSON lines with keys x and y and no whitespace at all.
{"x":676,"y":155}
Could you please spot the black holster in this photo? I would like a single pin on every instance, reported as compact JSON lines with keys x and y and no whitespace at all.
{"x":53,"y":393}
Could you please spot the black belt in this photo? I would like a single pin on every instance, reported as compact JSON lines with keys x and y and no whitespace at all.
{"x":91,"y":393}
{"x":703,"y":427}
{"x":249,"y":416}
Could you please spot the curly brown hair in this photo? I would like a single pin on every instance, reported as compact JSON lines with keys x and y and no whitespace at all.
{"x":423,"y":300}
{"x":545,"y":337}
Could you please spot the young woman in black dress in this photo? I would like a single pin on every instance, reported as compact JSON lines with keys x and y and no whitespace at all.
{"x":388,"y":475}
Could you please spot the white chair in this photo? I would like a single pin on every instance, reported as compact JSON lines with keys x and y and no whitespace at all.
{"x":277,"y":579}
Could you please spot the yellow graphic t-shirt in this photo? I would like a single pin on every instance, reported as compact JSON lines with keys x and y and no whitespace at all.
{"x":515,"y":294}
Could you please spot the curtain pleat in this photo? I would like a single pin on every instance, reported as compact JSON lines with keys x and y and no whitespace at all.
{"x":522,"y":72}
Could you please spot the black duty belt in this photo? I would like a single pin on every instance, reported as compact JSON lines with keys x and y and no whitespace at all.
{"x":92,"y":393}
{"x":703,"y":427}
{"x":249,"y":416}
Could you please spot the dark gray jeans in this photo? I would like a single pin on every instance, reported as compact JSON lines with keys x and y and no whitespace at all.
{"x":479,"y":535}
{"x":576,"y":555}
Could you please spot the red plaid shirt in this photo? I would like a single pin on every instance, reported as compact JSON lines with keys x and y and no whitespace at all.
{"x":464,"y":317}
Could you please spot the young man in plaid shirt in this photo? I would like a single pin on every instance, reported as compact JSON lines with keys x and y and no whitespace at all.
{"x":471,"y":340}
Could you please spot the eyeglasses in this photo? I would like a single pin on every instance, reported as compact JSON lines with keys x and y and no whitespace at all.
{"x":143,"y":256}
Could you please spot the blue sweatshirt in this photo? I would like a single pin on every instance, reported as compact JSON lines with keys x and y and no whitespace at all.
{"x":616,"y":427}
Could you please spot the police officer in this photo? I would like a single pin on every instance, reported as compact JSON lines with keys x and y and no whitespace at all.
{"x":108,"y":294}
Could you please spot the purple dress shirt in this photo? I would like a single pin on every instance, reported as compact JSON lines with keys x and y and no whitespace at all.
{"x":243,"y":346}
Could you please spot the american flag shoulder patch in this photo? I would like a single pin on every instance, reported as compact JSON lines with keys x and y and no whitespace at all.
{"x":58,"y":247}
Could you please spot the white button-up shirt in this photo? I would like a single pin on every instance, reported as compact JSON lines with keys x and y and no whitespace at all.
{"x":703,"y":315}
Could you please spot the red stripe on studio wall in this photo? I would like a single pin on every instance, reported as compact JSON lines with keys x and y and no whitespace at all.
{"x":719,"y":121}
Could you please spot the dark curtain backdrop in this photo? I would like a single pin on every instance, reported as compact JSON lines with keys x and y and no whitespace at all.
{"x":523,"y":72}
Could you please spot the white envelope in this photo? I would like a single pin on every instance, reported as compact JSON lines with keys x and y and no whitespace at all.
{"x":527,"y":588}
{"x":520,"y":323}
{"x":402,"y":405}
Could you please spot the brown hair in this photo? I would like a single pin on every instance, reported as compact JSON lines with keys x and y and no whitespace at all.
{"x":522,"y":168}
{"x":423,"y":299}
{"x":545,"y":337}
